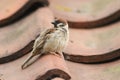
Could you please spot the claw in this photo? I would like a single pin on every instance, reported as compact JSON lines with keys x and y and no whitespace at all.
{"x":56,"y":54}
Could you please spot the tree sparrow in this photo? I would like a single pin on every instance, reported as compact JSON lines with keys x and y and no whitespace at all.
{"x":52,"y":40}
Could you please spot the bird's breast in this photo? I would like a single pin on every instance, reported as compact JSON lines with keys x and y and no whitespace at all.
{"x":55,"y":43}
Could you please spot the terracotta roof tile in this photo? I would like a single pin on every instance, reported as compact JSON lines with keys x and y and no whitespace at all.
{"x":47,"y":67}
{"x":105,"y":71}
{"x":26,"y":30}
{"x":16,"y":8}
{"x":51,"y":67}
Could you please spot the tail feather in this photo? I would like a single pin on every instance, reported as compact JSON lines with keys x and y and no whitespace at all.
{"x":31,"y":59}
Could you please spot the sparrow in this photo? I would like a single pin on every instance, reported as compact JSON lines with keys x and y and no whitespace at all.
{"x":50,"y":41}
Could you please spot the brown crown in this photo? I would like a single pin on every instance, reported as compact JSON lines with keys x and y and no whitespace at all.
{"x":60,"y":20}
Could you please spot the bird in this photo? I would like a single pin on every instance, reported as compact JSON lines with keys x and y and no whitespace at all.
{"x":50,"y":41}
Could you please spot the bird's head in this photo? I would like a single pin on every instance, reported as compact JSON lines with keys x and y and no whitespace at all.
{"x":60,"y":23}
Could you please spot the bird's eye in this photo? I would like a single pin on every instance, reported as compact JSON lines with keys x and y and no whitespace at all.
{"x":61,"y":24}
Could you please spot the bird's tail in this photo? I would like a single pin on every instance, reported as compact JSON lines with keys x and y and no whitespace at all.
{"x":31,"y":59}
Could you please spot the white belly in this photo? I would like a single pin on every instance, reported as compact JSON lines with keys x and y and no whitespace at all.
{"x":55,"y":44}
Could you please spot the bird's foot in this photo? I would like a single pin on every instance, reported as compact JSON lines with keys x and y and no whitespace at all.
{"x":56,"y":54}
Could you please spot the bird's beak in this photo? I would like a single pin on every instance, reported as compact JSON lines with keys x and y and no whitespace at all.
{"x":54,"y":23}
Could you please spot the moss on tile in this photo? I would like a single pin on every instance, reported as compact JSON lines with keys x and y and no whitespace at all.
{"x":63,"y":8}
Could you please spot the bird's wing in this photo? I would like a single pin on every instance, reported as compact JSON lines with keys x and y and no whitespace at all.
{"x":36,"y":52}
{"x":39,"y":42}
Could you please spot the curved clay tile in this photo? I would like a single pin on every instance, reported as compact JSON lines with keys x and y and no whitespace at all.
{"x":47,"y":67}
{"x":87,"y":13}
{"x":94,"y":45}
{"x":106,"y":71}
{"x":17,"y":39}
{"x":16,"y":9}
